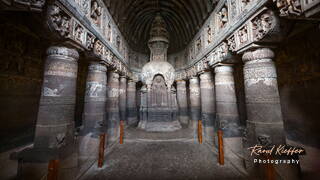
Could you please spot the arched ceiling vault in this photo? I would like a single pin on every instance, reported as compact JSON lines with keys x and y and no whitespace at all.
{"x":183,"y":18}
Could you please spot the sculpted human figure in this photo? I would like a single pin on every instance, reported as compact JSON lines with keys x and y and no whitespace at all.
{"x":95,"y":11}
{"x":223,"y":16}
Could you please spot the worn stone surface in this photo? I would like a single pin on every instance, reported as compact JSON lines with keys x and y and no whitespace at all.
{"x":195,"y":103}
{"x":113,"y":113}
{"x":132,"y":116}
{"x":55,"y":123}
{"x":162,"y":160}
{"x":265,"y":123}
{"x":94,"y":113}
{"x":123,"y":98}
{"x":182,"y":102}
{"x":208,"y":107}
{"x":227,"y":109}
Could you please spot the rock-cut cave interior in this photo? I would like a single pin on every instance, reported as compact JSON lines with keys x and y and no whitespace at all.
{"x":159,"y":89}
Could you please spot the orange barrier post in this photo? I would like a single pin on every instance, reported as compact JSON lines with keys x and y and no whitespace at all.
{"x":121,"y":132}
{"x":101,"y":149}
{"x":269,"y":170}
{"x":220,"y":146}
{"x":200,"y":131}
{"x":53,"y":170}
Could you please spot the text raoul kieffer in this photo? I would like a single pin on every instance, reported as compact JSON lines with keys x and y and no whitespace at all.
{"x":276,"y":150}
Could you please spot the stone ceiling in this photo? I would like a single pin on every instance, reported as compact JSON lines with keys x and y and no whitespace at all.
{"x":183,"y":18}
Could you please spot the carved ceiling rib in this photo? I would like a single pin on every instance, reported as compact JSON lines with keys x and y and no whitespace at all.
{"x":184,"y":16}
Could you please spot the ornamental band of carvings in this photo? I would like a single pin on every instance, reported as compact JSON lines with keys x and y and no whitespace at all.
{"x":68,"y":27}
{"x":289,"y":7}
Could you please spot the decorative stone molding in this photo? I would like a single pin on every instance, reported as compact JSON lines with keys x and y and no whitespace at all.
{"x":262,"y":27}
{"x":63,"y":23}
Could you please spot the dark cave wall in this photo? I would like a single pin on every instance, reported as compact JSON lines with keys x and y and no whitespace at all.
{"x":22,"y":55}
{"x":21,"y":64}
{"x":298,"y":66}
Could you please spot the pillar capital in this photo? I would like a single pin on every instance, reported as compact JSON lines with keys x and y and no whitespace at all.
{"x":123,"y":78}
{"x":66,"y":53}
{"x":181,"y":81}
{"x":114,"y":74}
{"x":224,"y":68}
{"x":97,"y":67}
{"x":205,"y":75}
{"x":194,"y":79}
{"x":257,"y":54}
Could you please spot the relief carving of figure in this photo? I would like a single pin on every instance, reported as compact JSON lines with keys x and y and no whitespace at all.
{"x":60,"y":21}
{"x":78,"y":34}
{"x":53,"y":92}
{"x":262,"y":25}
{"x":244,"y":3}
{"x":209,"y":34}
{"x":90,"y":41}
{"x":223,"y":17}
{"x":95,"y":11}
{"x":289,"y":7}
{"x":93,"y":89}
{"x":243,"y":35}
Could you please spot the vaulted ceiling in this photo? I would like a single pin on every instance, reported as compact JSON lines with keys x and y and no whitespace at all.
{"x":183,"y":18}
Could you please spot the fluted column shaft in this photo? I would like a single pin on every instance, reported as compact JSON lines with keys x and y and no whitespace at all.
{"x":131,"y":103}
{"x":94,"y":112}
{"x":195,"y":105}
{"x":207,"y":105}
{"x":113,"y":119}
{"x":182,"y":102}
{"x":123,"y":98}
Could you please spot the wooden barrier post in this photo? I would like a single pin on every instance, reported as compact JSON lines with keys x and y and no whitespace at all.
{"x":101,"y":149}
{"x":269,"y":170}
{"x":121,"y":132}
{"x":200,"y":131}
{"x":220,"y":146}
{"x":53,"y":167}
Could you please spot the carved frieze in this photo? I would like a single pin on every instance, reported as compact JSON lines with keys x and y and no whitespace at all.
{"x":289,"y":7}
{"x":79,"y":33}
{"x":59,"y":20}
{"x":262,"y":24}
{"x":90,"y":39}
{"x":98,"y":48}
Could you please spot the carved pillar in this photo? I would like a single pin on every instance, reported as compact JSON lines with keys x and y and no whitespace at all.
{"x":143,"y":108}
{"x":123,"y":98}
{"x":227,"y":110}
{"x":182,"y":102}
{"x":94,"y":112}
{"x":54,"y":136}
{"x":113,"y":119}
{"x":207,"y":105}
{"x":195,"y":106}
{"x":55,"y":124}
{"x":264,"y":123}
{"x":132,"y":103}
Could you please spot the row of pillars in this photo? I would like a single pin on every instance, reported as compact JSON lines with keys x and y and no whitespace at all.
{"x":213,"y":100}
{"x":109,"y":98}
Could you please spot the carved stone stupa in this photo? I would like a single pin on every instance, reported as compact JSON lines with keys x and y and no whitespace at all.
{"x":159,"y":112}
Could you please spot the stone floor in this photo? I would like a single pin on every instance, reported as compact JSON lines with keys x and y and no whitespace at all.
{"x":156,"y":157}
